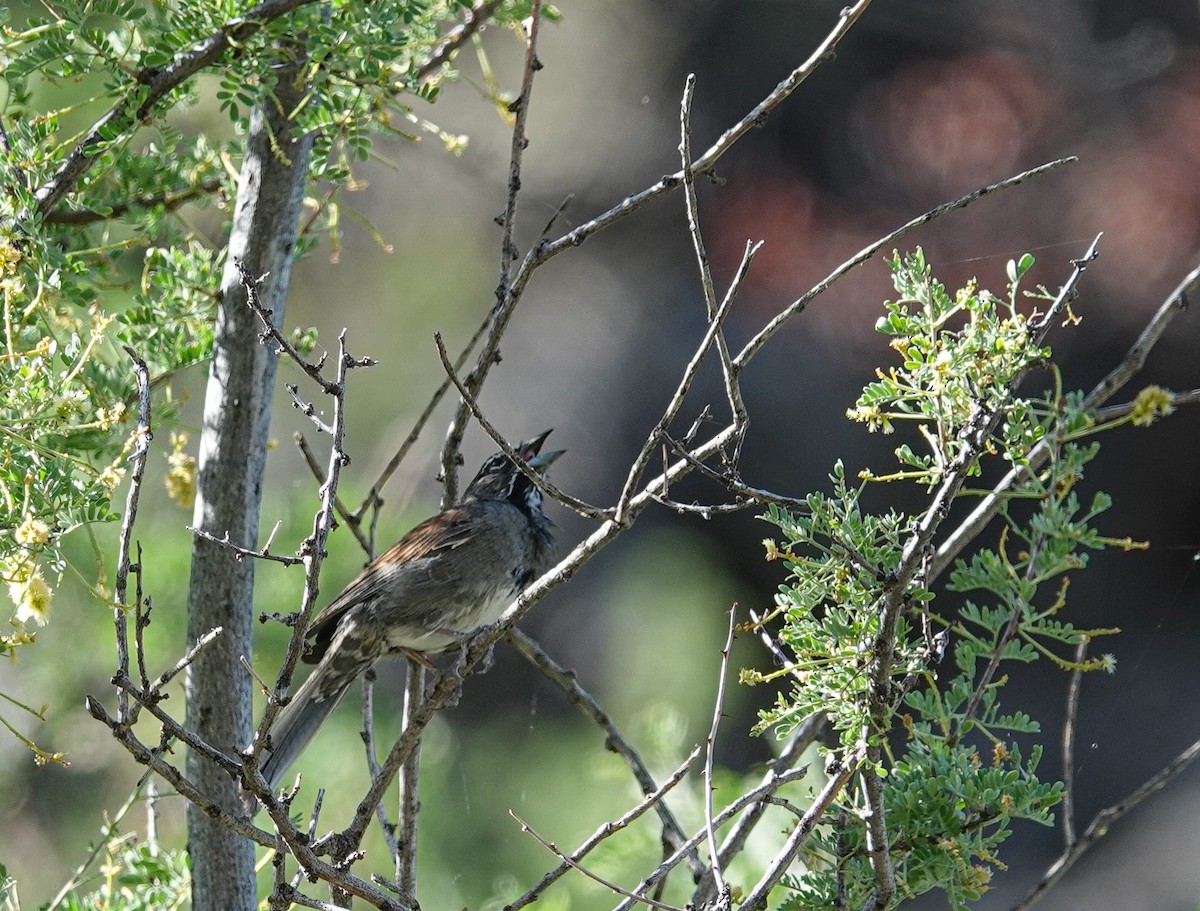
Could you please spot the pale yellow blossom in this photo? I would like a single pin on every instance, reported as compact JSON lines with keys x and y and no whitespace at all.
{"x":32,"y":596}
{"x":32,"y":531}
{"x":181,"y":473}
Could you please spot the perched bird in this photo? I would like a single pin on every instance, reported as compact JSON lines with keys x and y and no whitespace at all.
{"x":449,"y":576}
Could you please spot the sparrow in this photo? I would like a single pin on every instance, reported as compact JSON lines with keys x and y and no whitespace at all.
{"x":451,"y":575}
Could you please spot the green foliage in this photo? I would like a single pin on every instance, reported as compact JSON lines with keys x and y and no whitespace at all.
{"x":120,"y":260}
{"x":137,"y":877}
{"x":947,"y":810}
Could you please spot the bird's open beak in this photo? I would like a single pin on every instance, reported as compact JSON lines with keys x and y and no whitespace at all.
{"x":531,"y":452}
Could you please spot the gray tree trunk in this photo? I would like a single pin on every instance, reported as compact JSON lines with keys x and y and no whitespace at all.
{"x":232,"y":458}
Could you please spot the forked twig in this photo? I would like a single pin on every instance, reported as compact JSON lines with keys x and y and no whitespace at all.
{"x":642,"y":461}
{"x":654,"y":799}
{"x":751,"y":797}
{"x":729,"y":371}
{"x":756,"y":900}
{"x":608,"y":884}
{"x":613,"y":738}
{"x":143,"y":434}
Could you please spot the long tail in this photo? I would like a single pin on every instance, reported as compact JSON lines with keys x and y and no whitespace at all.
{"x":309,"y":707}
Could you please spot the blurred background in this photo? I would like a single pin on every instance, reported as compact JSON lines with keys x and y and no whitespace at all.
{"x":925,"y":101}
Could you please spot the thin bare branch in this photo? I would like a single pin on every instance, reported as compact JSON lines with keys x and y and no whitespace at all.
{"x":410,"y":801}
{"x":368,"y":734}
{"x":704,"y":510}
{"x":681,"y":390}
{"x":307,"y":408}
{"x":189,"y":656}
{"x":754,"y":796}
{"x":756,"y":900}
{"x":710,"y":755}
{"x":506,"y":295}
{"x":756,"y":117}
{"x":804,"y":737}
{"x":312,"y":552}
{"x":262,"y":554}
{"x":608,"y":884}
{"x":143,"y":436}
{"x":1068,"y":743}
{"x":1135,"y":359}
{"x":1103,"y":822}
{"x":653,"y":799}
{"x":729,"y":372}
{"x":614,"y":740}
{"x":735,"y":485}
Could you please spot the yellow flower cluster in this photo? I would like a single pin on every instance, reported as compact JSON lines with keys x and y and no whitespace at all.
{"x":1150,"y":404}
{"x":27,"y":587}
{"x":181,"y":473}
{"x":32,"y":532}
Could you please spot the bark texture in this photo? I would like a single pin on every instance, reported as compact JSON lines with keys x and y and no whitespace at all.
{"x":231,"y":465}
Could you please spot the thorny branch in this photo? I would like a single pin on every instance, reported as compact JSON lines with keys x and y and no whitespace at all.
{"x":312,"y":552}
{"x":125,"y":539}
{"x":506,"y":296}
